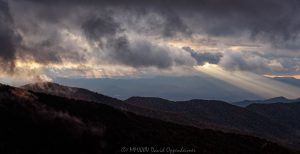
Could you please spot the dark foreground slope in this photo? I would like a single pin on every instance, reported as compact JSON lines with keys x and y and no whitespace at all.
{"x":41,"y":123}
{"x":285,"y":113}
{"x":211,"y":114}
{"x":86,"y":95}
{"x":70,"y":92}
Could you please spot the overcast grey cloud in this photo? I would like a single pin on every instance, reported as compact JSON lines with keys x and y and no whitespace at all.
{"x":251,"y":61}
{"x":142,"y":53}
{"x":9,"y":38}
{"x":272,"y":19}
{"x":97,"y":27}
{"x":135,"y":53}
{"x":138,"y":33}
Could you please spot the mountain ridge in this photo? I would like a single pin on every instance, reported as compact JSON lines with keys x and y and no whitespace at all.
{"x":209,"y":114}
{"x":279,"y":99}
{"x":53,"y":124}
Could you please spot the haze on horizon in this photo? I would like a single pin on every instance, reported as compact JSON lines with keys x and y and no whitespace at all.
{"x":236,"y":41}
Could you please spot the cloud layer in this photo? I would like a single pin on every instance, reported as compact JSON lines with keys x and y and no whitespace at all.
{"x":9,"y":39}
{"x":260,"y":36}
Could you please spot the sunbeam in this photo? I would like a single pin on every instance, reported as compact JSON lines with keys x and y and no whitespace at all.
{"x":254,"y":83}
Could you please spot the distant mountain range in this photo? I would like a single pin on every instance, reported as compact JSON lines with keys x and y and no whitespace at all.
{"x":204,"y":114}
{"x":267,"y":101}
{"x":35,"y":122}
{"x":172,"y":88}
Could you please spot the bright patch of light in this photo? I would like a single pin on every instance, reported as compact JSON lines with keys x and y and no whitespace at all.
{"x":251,"y":82}
{"x":282,"y":76}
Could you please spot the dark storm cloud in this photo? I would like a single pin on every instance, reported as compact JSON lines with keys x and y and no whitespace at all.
{"x":172,"y":24}
{"x":202,"y":58}
{"x":275,"y":20}
{"x":45,"y":51}
{"x":138,"y":53}
{"x":114,"y":24}
{"x":52,"y":49}
{"x":9,"y":39}
{"x":99,"y":27}
{"x":142,"y":53}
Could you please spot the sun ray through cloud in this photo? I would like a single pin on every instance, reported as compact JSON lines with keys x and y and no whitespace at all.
{"x":258,"y":84}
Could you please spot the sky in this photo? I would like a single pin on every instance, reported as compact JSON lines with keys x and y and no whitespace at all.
{"x":41,"y":40}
